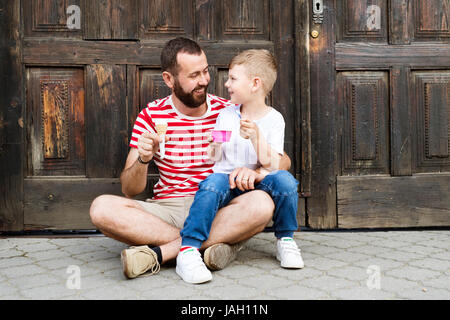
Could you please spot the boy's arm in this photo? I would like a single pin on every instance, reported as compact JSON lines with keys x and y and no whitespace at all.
{"x":268,"y":157}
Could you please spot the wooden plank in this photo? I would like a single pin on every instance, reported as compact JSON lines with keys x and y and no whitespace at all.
{"x":11,"y":121}
{"x":401,"y":163}
{"x":283,"y":93}
{"x":365,"y":56}
{"x":322,"y":203}
{"x":421,"y":200}
{"x":303,"y":98}
{"x":49,"y":51}
{"x":107,"y":124}
{"x":63,"y":203}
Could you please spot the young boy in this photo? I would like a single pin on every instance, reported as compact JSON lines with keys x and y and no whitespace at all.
{"x":256,"y":141}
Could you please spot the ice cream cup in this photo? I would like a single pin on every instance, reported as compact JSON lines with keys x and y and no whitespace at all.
{"x":221,"y":135}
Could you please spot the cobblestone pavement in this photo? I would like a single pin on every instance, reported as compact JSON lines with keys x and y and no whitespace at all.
{"x":338,"y":265}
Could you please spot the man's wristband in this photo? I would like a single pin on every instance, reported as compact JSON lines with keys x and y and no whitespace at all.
{"x":143,"y":162}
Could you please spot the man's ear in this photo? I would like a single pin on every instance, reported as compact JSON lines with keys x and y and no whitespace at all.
{"x":169,"y":79}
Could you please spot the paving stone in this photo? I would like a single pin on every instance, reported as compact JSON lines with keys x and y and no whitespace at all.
{"x":349,"y":272}
{"x":234,"y":292}
{"x":55,"y":291}
{"x":422,"y":293}
{"x":325,"y":264}
{"x":433,"y":264}
{"x":361,"y":293}
{"x":328,"y":283}
{"x":32,"y":281}
{"x":20,"y":271}
{"x":265,"y":282}
{"x":297,"y":292}
{"x":412,"y":265}
{"x":412,"y":273}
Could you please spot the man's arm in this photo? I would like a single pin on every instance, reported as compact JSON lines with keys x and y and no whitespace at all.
{"x":285,"y":162}
{"x":134,"y":177}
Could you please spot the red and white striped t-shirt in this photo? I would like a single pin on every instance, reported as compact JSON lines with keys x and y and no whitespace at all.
{"x":186,"y":162}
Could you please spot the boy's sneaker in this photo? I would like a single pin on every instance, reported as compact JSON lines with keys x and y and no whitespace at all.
{"x":289,"y":254}
{"x":218,"y":256}
{"x":138,"y":260}
{"x":190,"y":266}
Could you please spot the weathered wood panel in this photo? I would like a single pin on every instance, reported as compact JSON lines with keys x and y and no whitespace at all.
{"x":283,"y":93}
{"x":79,"y":52}
{"x":362,"y":20}
{"x":363,"y":56}
{"x":432,"y":20}
{"x":363,"y":100}
{"x":106,"y":123}
{"x":57,"y":18}
{"x":247,"y":19}
{"x":111,"y":19}
{"x":383,"y":201}
{"x":56,"y":121}
{"x":63,"y":203}
{"x":400,"y":122}
{"x":431,"y":118}
{"x":322,"y":203}
{"x":166,"y":19}
{"x":303,"y":98}
{"x":11,"y":121}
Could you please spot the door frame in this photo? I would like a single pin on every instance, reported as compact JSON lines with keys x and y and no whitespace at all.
{"x":11,"y":121}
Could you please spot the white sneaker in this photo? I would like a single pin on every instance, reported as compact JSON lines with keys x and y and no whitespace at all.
{"x":289,"y":254}
{"x":190,"y":267}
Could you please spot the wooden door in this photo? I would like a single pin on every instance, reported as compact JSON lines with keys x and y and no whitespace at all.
{"x":79,"y":72}
{"x":380,"y":114}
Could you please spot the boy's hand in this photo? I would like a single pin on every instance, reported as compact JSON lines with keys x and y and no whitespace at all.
{"x":249,"y":130}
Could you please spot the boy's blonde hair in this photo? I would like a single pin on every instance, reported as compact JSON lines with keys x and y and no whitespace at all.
{"x":258,"y":63}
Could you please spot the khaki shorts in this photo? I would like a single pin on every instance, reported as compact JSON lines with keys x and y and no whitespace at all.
{"x":174,"y":211}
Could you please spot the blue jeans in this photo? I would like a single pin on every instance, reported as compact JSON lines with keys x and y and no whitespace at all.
{"x":214,"y":193}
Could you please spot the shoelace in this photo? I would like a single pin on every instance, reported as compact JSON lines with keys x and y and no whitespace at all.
{"x":156,"y":267}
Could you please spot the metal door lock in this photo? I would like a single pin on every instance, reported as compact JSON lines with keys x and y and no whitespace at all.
{"x":317,"y":6}
{"x":314,"y":34}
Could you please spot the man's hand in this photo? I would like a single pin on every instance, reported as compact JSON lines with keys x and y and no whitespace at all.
{"x":148,"y":145}
{"x":249,"y":130}
{"x":244,"y":178}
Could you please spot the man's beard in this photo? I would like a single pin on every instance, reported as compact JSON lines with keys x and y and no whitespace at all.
{"x":188,"y":98}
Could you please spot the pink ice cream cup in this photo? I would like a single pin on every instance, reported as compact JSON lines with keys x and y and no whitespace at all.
{"x":221,"y":135}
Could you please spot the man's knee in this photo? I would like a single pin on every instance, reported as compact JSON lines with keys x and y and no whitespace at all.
{"x":259,"y":205}
{"x":99,"y":209}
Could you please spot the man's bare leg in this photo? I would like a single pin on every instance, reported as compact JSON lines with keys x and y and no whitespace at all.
{"x":124,"y":220}
{"x":245,"y":216}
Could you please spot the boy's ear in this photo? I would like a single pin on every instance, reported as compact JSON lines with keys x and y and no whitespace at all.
{"x":257,"y":84}
{"x":169,"y":79}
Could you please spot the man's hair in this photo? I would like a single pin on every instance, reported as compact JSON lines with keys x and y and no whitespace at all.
{"x":258,"y":63}
{"x":171,"y":50}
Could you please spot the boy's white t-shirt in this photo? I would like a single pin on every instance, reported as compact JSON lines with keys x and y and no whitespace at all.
{"x":239,"y":152}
